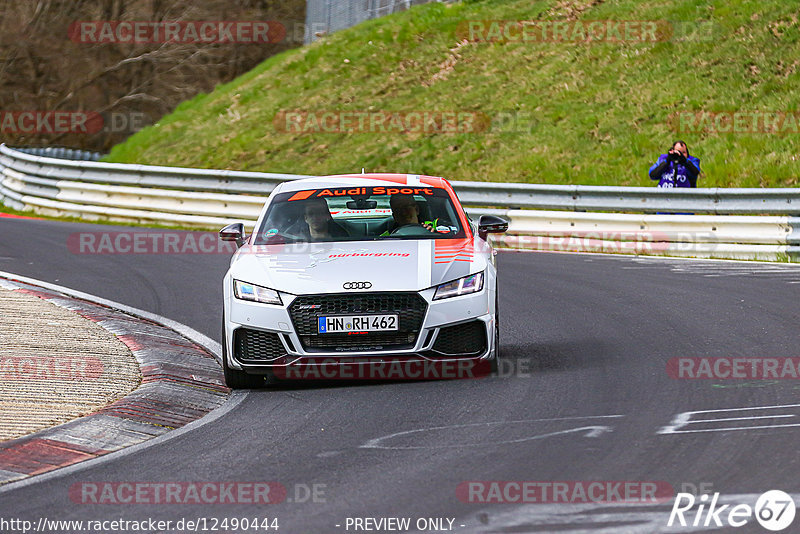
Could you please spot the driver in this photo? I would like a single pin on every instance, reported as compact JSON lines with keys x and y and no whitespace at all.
{"x":405,"y":211}
{"x":319,"y":222}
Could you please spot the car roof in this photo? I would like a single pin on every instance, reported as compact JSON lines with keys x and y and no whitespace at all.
{"x":364,"y":180}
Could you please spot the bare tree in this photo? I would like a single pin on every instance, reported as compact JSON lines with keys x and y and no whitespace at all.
{"x":46,"y":66}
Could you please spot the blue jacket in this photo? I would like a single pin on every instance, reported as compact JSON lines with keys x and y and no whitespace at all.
{"x":674,"y":174}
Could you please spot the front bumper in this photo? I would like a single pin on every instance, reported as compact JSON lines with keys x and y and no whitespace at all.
{"x":262,"y":338}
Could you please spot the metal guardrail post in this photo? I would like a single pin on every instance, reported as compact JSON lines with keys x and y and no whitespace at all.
{"x":793,"y":240}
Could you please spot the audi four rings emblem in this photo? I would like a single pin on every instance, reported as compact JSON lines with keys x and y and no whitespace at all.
{"x":357,"y":285}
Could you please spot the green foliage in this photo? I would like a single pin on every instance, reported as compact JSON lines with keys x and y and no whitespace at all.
{"x":593,"y":113}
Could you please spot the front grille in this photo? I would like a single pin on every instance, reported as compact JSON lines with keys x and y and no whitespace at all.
{"x":461,"y":339}
{"x":376,"y":340}
{"x":409,"y":307}
{"x":256,"y":346}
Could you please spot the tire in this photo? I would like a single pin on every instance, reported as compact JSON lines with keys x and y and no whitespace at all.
{"x":234,"y":378}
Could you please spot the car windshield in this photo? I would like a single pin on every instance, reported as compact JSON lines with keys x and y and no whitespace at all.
{"x":360,"y":214}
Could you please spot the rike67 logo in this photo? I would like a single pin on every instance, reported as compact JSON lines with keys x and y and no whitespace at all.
{"x":773,"y":510}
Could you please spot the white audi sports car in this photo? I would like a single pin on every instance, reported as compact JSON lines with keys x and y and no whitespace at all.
{"x":363,"y":272}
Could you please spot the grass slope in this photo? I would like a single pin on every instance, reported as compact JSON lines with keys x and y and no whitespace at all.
{"x":600,"y":110}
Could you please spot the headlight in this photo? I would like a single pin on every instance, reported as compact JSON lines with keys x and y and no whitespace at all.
{"x":254,"y":293}
{"x":463,"y":286}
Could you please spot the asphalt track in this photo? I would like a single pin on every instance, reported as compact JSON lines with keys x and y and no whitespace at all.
{"x":588,"y":336}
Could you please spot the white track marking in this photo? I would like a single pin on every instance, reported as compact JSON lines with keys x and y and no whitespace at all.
{"x":717,"y":268}
{"x":739,"y":418}
{"x":591,"y":431}
{"x":685,"y":418}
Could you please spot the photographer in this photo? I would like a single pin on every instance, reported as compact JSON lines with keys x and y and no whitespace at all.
{"x":676,"y":168}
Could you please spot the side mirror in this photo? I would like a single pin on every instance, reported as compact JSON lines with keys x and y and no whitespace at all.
{"x":233,"y":232}
{"x":491,"y":224}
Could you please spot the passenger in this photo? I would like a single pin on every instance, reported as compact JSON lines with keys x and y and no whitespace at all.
{"x":676,"y":168}
{"x":405,"y":211}
{"x":320,"y":225}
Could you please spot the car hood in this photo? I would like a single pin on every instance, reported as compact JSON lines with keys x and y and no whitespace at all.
{"x":388,"y":265}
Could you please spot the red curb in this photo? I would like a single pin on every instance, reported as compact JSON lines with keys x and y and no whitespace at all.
{"x":40,"y":455}
{"x":170,"y":395}
{"x":10,"y":216}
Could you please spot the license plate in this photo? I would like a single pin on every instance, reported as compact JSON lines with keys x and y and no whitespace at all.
{"x":356,"y":323}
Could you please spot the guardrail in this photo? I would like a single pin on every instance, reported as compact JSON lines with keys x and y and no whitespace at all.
{"x":63,"y":153}
{"x":83,"y":187}
{"x":767,"y":238}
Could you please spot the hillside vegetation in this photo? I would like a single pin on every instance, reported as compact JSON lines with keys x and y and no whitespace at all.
{"x":587,"y":112}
